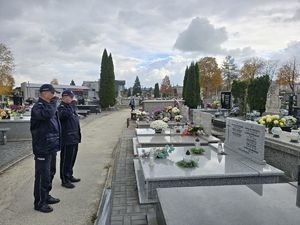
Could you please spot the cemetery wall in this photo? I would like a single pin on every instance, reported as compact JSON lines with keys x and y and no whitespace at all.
{"x":151,"y":105}
{"x":19,"y":129}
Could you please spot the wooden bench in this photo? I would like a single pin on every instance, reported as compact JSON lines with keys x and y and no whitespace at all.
{"x":3,"y":139}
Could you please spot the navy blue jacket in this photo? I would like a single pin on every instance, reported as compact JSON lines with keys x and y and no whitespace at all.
{"x":70,"y":123}
{"x":45,"y":127}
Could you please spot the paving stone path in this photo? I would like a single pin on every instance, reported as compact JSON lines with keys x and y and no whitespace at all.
{"x":13,"y":151}
{"x":16,"y":150}
{"x":126,"y":209}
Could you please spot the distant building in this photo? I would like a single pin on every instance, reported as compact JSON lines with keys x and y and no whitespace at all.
{"x":94,"y":87}
{"x":31,"y":90}
{"x":178,"y":91}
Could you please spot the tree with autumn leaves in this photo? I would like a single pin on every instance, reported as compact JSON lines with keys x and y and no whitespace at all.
{"x":166,"y":87}
{"x":210,"y":76}
{"x":6,"y":67}
{"x":288,"y":75}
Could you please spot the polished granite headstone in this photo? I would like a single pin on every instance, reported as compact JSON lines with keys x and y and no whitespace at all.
{"x":246,"y":138}
{"x":267,"y":204}
{"x":213,"y":169}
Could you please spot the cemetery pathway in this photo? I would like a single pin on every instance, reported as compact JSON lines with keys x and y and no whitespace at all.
{"x":79,"y":205}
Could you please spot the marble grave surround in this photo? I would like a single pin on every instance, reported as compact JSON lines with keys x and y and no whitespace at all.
{"x":212,"y":170}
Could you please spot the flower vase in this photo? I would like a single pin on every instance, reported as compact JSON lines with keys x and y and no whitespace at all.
{"x":276,"y":131}
{"x":294,"y":135}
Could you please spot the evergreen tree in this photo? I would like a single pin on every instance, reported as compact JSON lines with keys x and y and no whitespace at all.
{"x":197,"y":85}
{"x":257,"y":93}
{"x":156,"y":91}
{"x":112,"y":86}
{"x":239,"y":93}
{"x":137,"y":86}
{"x":103,"y":94}
{"x":189,"y":86}
{"x":72,"y":83}
{"x":185,"y":83}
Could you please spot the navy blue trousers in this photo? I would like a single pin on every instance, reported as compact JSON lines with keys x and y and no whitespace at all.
{"x":68,"y":156}
{"x":45,"y":169}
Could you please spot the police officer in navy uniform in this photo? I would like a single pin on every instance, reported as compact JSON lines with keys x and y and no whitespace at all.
{"x":45,"y":130}
{"x":71,"y":137}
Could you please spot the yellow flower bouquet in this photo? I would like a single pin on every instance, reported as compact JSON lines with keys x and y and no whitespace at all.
{"x":270,"y":121}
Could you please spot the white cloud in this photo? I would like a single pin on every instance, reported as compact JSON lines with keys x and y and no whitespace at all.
{"x":65,"y":39}
{"x":201,"y":36}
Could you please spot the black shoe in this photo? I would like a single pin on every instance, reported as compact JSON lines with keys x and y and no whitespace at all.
{"x":44,"y":208}
{"x":68,"y":185}
{"x":52,"y":200}
{"x":73,"y":179}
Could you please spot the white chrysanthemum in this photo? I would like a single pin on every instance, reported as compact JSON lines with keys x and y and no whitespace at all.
{"x":158,"y":125}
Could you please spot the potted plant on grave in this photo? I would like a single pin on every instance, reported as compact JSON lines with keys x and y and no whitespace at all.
{"x":270,"y":121}
{"x":166,"y":119}
{"x":175,"y":111}
{"x":156,"y":113}
{"x":194,"y":130}
{"x":3,"y":114}
{"x":178,"y":118}
{"x":158,"y":126}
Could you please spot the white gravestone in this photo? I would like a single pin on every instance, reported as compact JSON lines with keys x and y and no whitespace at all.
{"x":246,"y":138}
{"x":204,"y":119}
{"x":184,"y":111}
{"x":273,"y":101}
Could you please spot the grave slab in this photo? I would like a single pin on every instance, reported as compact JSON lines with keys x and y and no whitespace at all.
{"x":213,"y":169}
{"x":266,"y":204}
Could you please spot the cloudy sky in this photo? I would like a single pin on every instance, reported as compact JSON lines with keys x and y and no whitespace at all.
{"x":64,"y":39}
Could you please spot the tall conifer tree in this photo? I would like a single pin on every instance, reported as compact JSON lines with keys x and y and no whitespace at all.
{"x":197,"y":85}
{"x":137,"y":86}
{"x":185,"y":83}
{"x":107,"y":81}
{"x":156,"y":91}
{"x":112,"y":93}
